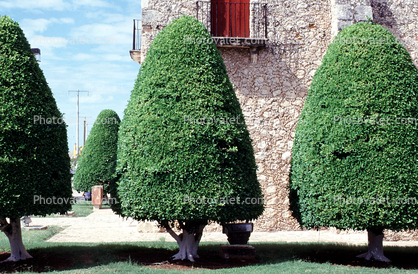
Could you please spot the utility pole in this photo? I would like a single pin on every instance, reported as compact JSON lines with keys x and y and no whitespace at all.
{"x":84,"y":138}
{"x":86,"y":129}
{"x":77,"y":149}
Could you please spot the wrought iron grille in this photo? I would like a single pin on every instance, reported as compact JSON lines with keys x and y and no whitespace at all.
{"x":137,"y":35}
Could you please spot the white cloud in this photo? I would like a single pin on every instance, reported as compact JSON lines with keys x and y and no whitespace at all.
{"x":106,"y":57}
{"x":63,"y":20}
{"x":116,"y":57}
{"x":84,"y":57}
{"x":105,"y":33}
{"x":58,"y":5}
{"x":92,"y":3}
{"x":92,"y":98}
{"x":32,"y":26}
{"x":35,"y":5}
{"x":106,"y":17}
{"x":97,"y":77}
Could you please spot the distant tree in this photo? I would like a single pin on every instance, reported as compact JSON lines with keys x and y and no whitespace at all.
{"x":184,"y":151}
{"x":97,"y":162}
{"x":354,"y":163}
{"x":34,"y":161}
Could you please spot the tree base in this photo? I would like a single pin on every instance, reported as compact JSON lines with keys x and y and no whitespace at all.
{"x":375,"y":245}
{"x":14,"y":233}
{"x":188,"y":243}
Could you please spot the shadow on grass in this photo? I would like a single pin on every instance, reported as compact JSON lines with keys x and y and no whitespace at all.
{"x":336,"y":254}
{"x":68,"y":256}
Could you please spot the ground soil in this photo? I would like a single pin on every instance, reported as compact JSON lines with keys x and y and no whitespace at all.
{"x":207,"y":260}
{"x":157,"y":259}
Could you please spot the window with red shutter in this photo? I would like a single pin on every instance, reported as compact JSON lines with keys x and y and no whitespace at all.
{"x":230,"y":18}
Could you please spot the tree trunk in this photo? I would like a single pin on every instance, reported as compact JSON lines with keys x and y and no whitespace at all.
{"x":14,"y":233}
{"x":188,"y":242}
{"x":375,"y":245}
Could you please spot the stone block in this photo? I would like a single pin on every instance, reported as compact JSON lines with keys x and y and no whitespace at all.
{"x":302,"y":6}
{"x":342,"y":2}
{"x":344,"y":12}
{"x":271,"y":190}
{"x":286,"y":155}
{"x":363,"y":2}
{"x":144,"y":4}
{"x":361,"y":13}
{"x":150,"y":16}
{"x":237,"y":251}
{"x":343,"y":24}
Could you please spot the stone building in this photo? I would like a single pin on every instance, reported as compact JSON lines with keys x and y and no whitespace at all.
{"x":271,"y":50}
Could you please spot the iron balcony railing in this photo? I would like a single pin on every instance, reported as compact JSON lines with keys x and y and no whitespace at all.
{"x":231,"y":19}
{"x":137,"y":35}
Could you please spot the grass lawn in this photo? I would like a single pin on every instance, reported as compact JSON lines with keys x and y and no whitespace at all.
{"x":81,"y":209}
{"x":148,"y":257}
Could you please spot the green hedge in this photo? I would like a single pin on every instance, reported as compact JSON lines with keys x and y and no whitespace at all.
{"x":34,"y":160}
{"x":97,"y":162}
{"x":355,"y":158}
{"x":184,"y":137}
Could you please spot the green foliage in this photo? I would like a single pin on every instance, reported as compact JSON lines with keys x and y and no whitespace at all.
{"x":33,"y":153}
{"x":355,"y":152}
{"x":170,"y":150}
{"x":97,"y":162}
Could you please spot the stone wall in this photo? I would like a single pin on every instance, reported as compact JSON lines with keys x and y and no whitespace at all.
{"x":156,"y":14}
{"x":272,"y":90}
{"x":400,"y":17}
{"x":348,"y":12}
{"x":272,"y":93}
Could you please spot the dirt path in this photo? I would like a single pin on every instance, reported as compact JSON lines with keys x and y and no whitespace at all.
{"x":105,"y":226}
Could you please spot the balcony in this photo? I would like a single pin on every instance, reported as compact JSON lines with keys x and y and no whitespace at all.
{"x":136,"y":46}
{"x":235,"y":23}
{"x":37,"y":53}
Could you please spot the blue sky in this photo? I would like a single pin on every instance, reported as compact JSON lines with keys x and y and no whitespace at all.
{"x":84,"y":45}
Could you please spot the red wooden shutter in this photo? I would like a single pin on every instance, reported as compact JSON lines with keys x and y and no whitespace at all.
{"x":230,"y":18}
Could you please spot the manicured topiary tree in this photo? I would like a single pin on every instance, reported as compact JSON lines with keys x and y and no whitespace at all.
{"x":354,"y":163}
{"x":97,"y":162}
{"x":34,"y":163}
{"x":184,"y":152}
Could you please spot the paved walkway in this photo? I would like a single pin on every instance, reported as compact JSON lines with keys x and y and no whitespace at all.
{"x":104,"y":226}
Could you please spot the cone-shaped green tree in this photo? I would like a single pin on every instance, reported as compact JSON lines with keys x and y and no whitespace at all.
{"x":354,"y":163}
{"x":97,"y":163}
{"x":184,"y":152}
{"x":34,"y":161}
